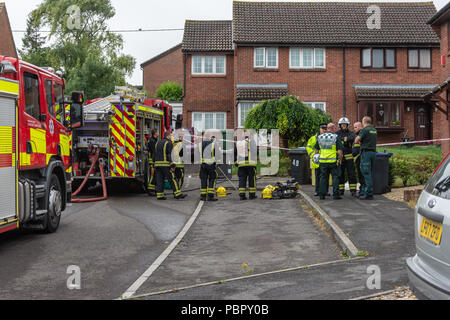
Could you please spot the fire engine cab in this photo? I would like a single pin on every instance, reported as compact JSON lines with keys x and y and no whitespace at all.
{"x":35,"y":147}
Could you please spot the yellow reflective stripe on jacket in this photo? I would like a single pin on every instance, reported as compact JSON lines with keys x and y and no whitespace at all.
{"x":348,"y":156}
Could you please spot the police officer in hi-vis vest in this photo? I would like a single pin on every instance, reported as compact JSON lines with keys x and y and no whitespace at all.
{"x":310,"y":148}
{"x":330,"y":148}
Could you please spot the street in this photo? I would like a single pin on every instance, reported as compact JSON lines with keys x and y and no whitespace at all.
{"x":261,"y":249}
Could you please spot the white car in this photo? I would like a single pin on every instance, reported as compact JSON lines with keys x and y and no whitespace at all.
{"x":429,"y":269}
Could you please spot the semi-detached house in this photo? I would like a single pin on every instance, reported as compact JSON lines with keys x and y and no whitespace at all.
{"x":325,"y":54}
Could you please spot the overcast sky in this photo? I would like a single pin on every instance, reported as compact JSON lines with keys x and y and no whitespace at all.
{"x":148,"y":14}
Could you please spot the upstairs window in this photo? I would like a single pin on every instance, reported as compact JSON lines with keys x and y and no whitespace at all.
{"x":209,"y":65}
{"x":307,"y":58}
{"x":265,"y":58}
{"x":378,"y":58}
{"x":317,"y":105}
{"x":419,"y":58}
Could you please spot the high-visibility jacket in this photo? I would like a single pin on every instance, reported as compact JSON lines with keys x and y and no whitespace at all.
{"x":310,"y":148}
{"x":249,"y":159}
{"x":163,"y":153}
{"x":328,"y":144}
{"x":178,"y":154}
{"x":208,"y":153}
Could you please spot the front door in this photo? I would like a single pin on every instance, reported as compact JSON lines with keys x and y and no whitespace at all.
{"x":422,"y":122}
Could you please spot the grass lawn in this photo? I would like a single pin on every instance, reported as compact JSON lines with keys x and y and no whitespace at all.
{"x":413,"y":152}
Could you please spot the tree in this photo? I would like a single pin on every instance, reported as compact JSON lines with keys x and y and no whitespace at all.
{"x":295,"y":121}
{"x":33,"y":49}
{"x":170,"y":91}
{"x":82,"y":46}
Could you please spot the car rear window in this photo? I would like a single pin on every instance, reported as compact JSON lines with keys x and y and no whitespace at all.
{"x":439,"y":183}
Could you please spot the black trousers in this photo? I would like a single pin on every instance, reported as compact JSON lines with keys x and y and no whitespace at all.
{"x":163,"y":173}
{"x":349,"y":167}
{"x":151,"y":181}
{"x":318,"y":181}
{"x":179,"y":175}
{"x":247,"y":173}
{"x":208,"y":178}
{"x":358,"y":169}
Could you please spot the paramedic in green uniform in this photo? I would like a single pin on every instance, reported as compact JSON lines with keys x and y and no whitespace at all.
{"x":367,"y":138}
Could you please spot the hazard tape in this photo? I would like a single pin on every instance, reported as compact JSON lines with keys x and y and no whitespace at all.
{"x":412,"y":142}
{"x":378,"y":145}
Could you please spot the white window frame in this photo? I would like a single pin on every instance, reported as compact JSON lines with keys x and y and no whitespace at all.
{"x":214,"y":120}
{"x":240,"y":120}
{"x":314,"y":104}
{"x":301,"y":65}
{"x":214,"y":65}
{"x":264,"y":65}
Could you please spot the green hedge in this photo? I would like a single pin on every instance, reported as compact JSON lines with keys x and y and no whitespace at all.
{"x":412,"y":171}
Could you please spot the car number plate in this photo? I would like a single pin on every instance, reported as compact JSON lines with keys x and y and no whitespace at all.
{"x":431,"y":231}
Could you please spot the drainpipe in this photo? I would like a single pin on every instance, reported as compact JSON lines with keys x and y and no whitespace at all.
{"x":184,"y":76}
{"x":344,"y":82}
{"x":235,"y":114}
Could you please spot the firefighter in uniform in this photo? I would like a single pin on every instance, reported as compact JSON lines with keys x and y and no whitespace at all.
{"x":165,"y":168}
{"x":356,"y":150}
{"x":246,"y":163}
{"x":330,"y":148}
{"x":367,"y":137}
{"x":208,"y":173}
{"x":347,"y":138}
{"x":178,"y":160}
{"x":151,"y":188}
{"x":311,"y":152}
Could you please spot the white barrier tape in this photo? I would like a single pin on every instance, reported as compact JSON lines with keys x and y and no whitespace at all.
{"x":412,"y":142}
{"x":378,"y":145}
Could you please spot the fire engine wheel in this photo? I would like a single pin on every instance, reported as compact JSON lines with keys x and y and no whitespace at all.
{"x":53,"y":216}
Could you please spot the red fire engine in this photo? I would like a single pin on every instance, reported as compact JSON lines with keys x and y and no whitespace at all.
{"x":34,"y":145}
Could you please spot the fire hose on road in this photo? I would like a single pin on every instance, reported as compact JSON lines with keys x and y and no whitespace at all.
{"x":91,"y":171}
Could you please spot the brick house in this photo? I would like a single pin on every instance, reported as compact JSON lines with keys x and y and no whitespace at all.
{"x":440,"y":23}
{"x":167,"y":66}
{"x":7,"y":45}
{"x":325,"y":54}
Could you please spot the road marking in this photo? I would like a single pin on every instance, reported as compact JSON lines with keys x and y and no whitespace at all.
{"x":341,"y":236}
{"x":147,"y":274}
{"x":243,"y":278}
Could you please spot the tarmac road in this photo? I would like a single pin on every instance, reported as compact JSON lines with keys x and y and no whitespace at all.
{"x":112,"y":242}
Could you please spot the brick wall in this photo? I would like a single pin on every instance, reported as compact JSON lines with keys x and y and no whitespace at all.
{"x":168,"y":67}
{"x":441,"y":122}
{"x":209,"y":93}
{"x":7,"y":46}
{"x":327,"y":85}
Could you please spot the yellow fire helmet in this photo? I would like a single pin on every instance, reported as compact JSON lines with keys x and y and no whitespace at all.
{"x":221,"y":192}
{"x":267,"y":192}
